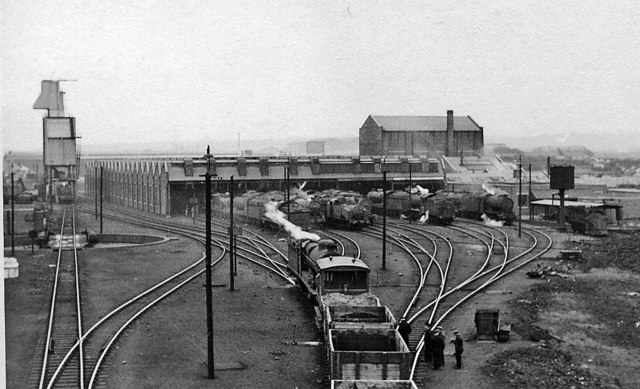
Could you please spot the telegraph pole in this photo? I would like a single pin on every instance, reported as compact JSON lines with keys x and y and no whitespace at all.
{"x":289,"y":191}
{"x":384,"y":220}
{"x":209,"y":297}
{"x":519,"y":198}
{"x":95,"y":189}
{"x":101,"y":174}
{"x":231,"y":245}
{"x":410,"y":191}
{"x":529,"y":197}
{"x":13,"y":214}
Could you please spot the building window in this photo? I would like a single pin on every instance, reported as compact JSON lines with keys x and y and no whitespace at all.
{"x":433,"y":167}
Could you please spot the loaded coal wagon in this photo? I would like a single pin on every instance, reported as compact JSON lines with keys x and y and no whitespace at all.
{"x":372,"y":354}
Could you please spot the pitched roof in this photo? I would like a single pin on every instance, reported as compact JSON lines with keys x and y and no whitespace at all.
{"x":425,"y":123}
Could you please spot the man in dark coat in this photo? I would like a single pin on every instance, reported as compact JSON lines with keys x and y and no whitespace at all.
{"x":458,"y":344}
{"x":437,"y":346}
{"x":404,"y":328}
{"x":428,"y":350}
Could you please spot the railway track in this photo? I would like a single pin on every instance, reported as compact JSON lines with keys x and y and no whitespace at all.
{"x":79,"y":360}
{"x":421,"y":244}
{"x":253,"y":248}
{"x":64,"y":326}
{"x":424,"y":245}
{"x":465,"y":290}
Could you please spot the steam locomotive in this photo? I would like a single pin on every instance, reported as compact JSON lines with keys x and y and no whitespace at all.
{"x":443,"y":206}
{"x":495,"y":206}
{"x":345,"y":208}
{"x":425,"y":207}
{"x":360,"y":335}
{"x":251,"y":207}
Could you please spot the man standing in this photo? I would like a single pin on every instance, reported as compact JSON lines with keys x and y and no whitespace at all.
{"x":404,"y":328}
{"x":437,"y":346}
{"x":458,"y":344}
{"x":428,"y":351}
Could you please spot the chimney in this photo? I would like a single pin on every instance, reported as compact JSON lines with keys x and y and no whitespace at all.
{"x":450,"y":148}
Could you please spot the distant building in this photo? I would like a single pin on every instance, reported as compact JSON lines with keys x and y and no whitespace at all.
{"x":315,"y":148}
{"x":432,"y":136}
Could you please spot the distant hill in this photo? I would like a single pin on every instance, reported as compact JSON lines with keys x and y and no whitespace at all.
{"x":610,"y":145}
{"x":603,"y":143}
{"x":291,"y":146}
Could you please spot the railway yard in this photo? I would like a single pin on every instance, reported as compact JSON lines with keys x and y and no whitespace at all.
{"x":573,"y":325}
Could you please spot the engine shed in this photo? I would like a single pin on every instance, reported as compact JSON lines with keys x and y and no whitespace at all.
{"x":167,"y":186}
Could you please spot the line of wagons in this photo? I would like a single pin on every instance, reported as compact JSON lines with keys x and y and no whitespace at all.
{"x":306,"y":210}
{"x":363,"y":347}
{"x":443,"y":206}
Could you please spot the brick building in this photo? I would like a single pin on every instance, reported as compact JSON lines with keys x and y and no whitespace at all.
{"x":432,"y":136}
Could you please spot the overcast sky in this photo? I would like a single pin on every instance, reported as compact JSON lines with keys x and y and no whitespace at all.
{"x":174,"y":70}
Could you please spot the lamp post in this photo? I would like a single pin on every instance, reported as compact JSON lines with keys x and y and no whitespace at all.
{"x":13,"y":214}
{"x":209,"y":297}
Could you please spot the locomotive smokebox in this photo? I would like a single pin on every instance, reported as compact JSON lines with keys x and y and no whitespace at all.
{"x":561,"y":177}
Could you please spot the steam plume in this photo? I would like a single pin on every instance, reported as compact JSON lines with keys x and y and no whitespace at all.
{"x":491,"y":190}
{"x":421,"y":190}
{"x":494,"y":223}
{"x":277,"y":216}
{"x":424,"y":218}
{"x":298,"y":193}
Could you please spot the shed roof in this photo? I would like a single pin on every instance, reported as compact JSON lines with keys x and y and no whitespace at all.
{"x":425,"y":123}
{"x":572,"y":204}
{"x":582,"y":193}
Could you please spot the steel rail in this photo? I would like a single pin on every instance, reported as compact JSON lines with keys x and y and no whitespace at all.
{"x":47,"y":343}
{"x":270,"y":245}
{"x":104,"y":319}
{"x":353,"y":241}
{"x":172,"y":228}
{"x":489,"y":282}
{"x":108,"y":346}
{"x":78,"y":308}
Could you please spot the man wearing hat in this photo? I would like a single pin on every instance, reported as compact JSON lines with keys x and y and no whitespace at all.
{"x":458,"y":344}
{"x":428,"y":350}
{"x":404,"y":328}
{"x":437,"y":347}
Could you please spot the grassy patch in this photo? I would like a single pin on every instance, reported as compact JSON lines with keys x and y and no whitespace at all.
{"x":621,"y":251}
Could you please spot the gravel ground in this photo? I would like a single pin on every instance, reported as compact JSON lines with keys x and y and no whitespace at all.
{"x":559,"y":338}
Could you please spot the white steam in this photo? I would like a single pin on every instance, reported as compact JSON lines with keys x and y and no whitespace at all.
{"x":424,"y":218}
{"x":420,"y":190}
{"x":298,"y":193}
{"x":489,"y":189}
{"x":277,"y":216}
{"x":492,"y":191}
{"x":489,"y":222}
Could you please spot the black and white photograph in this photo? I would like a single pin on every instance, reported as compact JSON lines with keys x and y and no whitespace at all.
{"x":320,"y":194}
